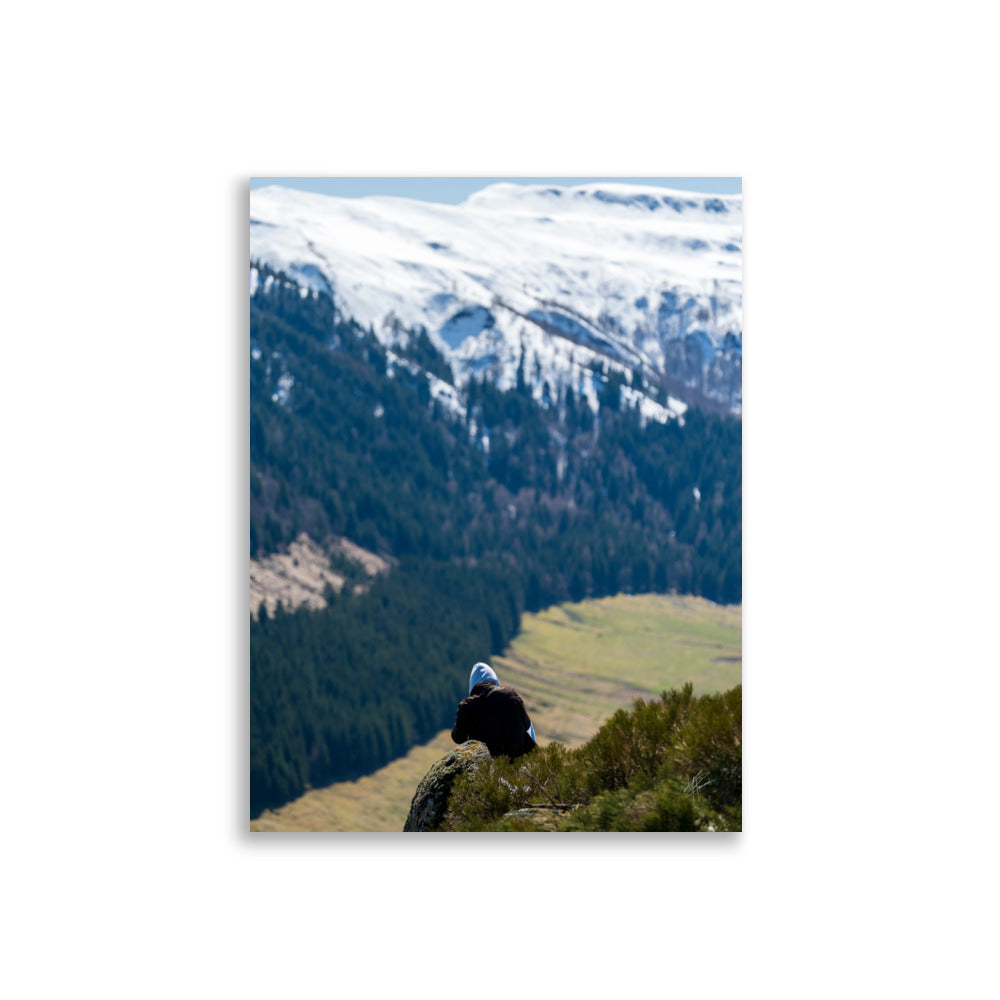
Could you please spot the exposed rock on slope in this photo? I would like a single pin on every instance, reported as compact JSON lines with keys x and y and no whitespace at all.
{"x":292,"y":579}
{"x":301,"y":575}
{"x":430,"y":801}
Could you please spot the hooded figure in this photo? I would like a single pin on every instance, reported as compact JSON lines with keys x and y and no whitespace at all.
{"x":494,"y":714}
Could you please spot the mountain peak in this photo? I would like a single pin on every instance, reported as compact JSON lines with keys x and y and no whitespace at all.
{"x":557,"y":282}
{"x":642,"y":197}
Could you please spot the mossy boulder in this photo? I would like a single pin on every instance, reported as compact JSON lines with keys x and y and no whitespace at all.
{"x":430,"y":801}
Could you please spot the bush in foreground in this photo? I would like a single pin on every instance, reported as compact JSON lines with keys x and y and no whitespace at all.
{"x":669,"y":765}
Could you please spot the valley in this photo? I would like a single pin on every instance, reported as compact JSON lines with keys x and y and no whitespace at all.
{"x":574,"y":664}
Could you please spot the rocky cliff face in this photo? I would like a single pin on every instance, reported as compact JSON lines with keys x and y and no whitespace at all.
{"x":430,"y":801}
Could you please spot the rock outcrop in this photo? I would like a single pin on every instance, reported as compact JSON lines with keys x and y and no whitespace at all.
{"x":430,"y":801}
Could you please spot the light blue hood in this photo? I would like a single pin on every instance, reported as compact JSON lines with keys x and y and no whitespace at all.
{"x":484,"y":672}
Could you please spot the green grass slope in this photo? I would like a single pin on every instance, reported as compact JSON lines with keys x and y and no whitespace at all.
{"x":575,"y":664}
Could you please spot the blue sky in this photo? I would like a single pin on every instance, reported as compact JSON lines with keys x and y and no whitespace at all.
{"x":452,"y":190}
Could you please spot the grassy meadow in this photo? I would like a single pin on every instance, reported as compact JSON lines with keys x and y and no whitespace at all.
{"x":574,"y":665}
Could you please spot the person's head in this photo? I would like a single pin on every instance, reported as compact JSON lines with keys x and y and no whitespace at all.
{"x":482,"y":672}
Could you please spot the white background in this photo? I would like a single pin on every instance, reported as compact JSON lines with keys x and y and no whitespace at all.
{"x":864,"y":135}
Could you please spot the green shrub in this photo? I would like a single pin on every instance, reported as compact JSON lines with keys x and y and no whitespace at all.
{"x":635,"y":742}
{"x":708,"y":751}
{"x":669,"y":765}
{"x":663,"y":808}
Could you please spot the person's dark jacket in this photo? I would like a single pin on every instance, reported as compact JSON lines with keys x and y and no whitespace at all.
{"x":495,"y":715}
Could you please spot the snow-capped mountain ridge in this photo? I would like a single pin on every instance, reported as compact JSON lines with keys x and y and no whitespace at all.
{"x":634,"y":277}
{"x":508,"y":197}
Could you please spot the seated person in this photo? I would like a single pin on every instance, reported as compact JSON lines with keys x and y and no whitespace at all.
{"x":494,"y":714}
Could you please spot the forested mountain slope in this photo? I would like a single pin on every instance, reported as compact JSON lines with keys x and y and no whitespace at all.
{"x":346,"y":439}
